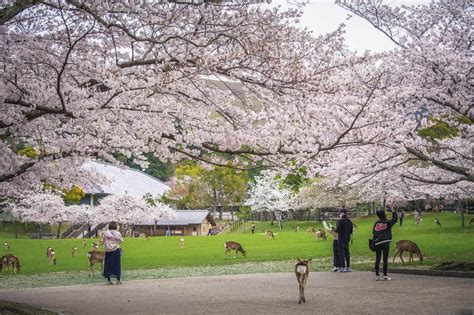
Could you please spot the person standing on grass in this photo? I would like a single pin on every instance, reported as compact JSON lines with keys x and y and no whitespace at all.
{"x":401,"y":215}
{"x":344,"y":229}
{"x":337,"y":266}
{"x":112,"y":239}
{"x":382,"y":236}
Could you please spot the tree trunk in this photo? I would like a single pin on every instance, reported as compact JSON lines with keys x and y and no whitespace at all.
{"x":41,"y":231}
{"x":461,"y":211}
{"x":309,"y":215}
{"x":58,"y":234}
{"x":16,"y":229}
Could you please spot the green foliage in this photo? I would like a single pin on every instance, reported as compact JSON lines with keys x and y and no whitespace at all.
{"x":73,"y":195}
{"x":439,"y":129}
{"x":28,"y":152}
{"x":201,"y":188}
{"x":161,"y":170}
{"x":296,"y":180}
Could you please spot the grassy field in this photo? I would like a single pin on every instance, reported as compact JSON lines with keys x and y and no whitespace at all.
{"x":451,"y":242}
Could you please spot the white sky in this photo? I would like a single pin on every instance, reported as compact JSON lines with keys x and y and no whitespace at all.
{"x":324,"y":16}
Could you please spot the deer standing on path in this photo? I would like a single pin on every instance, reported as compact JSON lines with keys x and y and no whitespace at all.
{"x":230,"y":245}
{"x":95,"y":257}
{"x":10,"y":260}
{"x":409,"y":246}
{"x":302,"y":273}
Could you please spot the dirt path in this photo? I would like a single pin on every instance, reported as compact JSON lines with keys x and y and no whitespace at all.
{"x":326,"y":293}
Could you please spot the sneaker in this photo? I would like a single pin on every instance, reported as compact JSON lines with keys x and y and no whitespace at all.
{"x":335,"y":269}
{"x":118,"y":282}
{"x":385,"y":278}
{"x":346,"y":270}
{"x":377,"y":278}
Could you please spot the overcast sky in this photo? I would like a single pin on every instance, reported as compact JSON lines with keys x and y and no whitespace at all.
{"x":323,"y":16}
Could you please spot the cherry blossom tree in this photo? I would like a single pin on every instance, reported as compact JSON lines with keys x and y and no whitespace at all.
{"x":268,"y":193}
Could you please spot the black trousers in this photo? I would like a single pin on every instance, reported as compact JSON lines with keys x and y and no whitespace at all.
{"x":335,"y":252}
{"x":379,"y":250}
{"x":344,"y":255}
{"x":401,"y":221}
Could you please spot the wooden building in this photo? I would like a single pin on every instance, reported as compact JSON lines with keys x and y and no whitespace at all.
{"x":186,"y":223}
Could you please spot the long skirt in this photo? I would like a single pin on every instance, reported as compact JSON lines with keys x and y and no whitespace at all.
{"x":112,"y":264}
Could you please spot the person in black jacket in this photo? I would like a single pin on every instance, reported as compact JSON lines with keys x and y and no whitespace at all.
{"x":344,"y":231}
{"x":382,"y":235}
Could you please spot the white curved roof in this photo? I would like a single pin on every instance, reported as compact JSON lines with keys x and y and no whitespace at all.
{"x":124,"y":181}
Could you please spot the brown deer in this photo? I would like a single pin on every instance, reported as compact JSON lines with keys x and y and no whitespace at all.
{"x":95,"y":257}
{"x":10,"y":260}
{"x":311,"y":230}
{"x":270,"y":234}
{"x":84,"y":243}
{"x":409,"y":246}
{"x":74,"y":251}
{"x":471,"y":221}
{"x":95,"y":246}
{"x":6,"y":246}
{"x":302,"y":273}
{"x":230,"y":245}
{"x":321,"y":235}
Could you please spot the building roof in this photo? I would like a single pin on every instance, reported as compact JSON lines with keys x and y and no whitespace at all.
{"x":184,"y":217}
{"x":124,"y":181}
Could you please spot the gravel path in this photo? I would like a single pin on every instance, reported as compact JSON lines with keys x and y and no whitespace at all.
{"x":326,"y":293}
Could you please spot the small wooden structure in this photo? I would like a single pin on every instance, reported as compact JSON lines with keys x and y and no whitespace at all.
{"x":186,"y":223}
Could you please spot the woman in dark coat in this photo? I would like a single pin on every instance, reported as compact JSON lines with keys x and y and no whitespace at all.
{"x":382,"y":235}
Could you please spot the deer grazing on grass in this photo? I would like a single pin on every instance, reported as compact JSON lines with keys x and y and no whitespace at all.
{"x":302,"y":273}
{"x":311,"y":230}
{"x":6,"y":246}
{"x":230,"y":245}
{"x":95,"y":257}
{"x":74,"y":251}
{"x":270,"y":234}
{"x":10,"y":260}
{"x":409,"y":246}
{"x":321,"y":235}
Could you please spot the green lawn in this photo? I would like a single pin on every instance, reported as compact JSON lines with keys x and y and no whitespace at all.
{"x":451,"y":242}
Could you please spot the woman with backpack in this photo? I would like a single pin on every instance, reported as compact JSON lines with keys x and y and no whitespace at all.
{"x":382,"y":236}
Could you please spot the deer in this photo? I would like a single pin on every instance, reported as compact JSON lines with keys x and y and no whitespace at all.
{"x":51,"y":253}
{"x":6,"y":246}
{"x":302,"y":273}
{"x":311,"y":230}
{"x":270,"y":234}
{"x":321,"y":235}
{"x":409,"y":246}
{"x":74,"y":251}
{"x":95,"y":246}
{"x":230,"y":245}
{"x":10,"y":260}
{"x":297,"y":229}
{"x":95,"y":257}
{"x":471,"y":221}
{"x":437,"y":222}
{"x":84,"y":243}
{"x":181,"y":243}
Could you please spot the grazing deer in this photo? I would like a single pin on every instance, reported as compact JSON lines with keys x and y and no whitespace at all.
{"x":230,"y":245}
{"x":472,"y":220}
{"x":10,"y":260}
{"x":302,"y":273}
{"x":437,"y":222}
{"x":409,"y":246}
{"x":6,"y":246}
{"x":51,"y":253}
{"x":311,"y":230}
{"x":84,"y":243}
{"x":95,"y":257}
{"x":74,"y":251}
{"x":95,"y":246}
{"x":321,"y":235}
{"x":181,"y":243}
{"x":270,"y":234}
